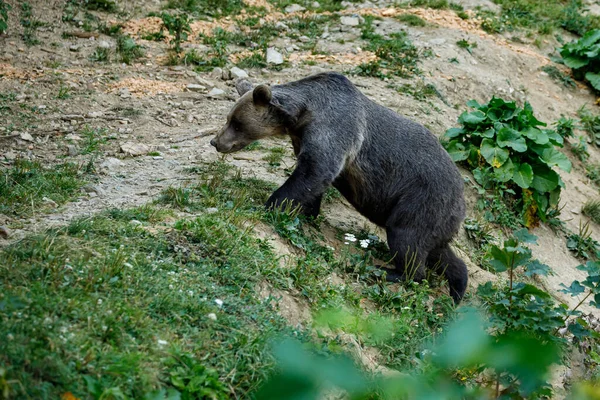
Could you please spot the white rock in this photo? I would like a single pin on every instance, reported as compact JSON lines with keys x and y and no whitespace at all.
{"x":350,"y":21}
{"x":238,"y":73}
{"x":304,"y":39}
{"x":111,"y":163}
{"x":95,"y":114}
{"x":315,"y":4}
{"x":26,"y":136}
{"x":134,"y":149}
{"x":216,"y":93}
{"x":294,"y":8}
{"x":212,"y":316}
{"x":274,"y":57}
{"x":194,"y":87}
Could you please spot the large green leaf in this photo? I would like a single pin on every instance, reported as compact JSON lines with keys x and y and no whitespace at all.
{"x":589,"y":39}
{"x":508,"y":137}
{"x":523,"y":175}
{"x":575,"y":61}
{"x":544,"y":179}
{"x":472,"y":118}
{"x":495,"y":156}
{"x":536,"y":135}
{"x":553,"y":157}
{"x":454,"y":132}
{"x":457,"y":151}
{"x":594,"y":79}
{"x":505,"y":172}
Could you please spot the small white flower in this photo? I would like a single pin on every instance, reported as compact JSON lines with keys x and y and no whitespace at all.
{"x":349,"y":237}
{"x":346,"y":243}
{"x":364,"y":243}
{"x":212,"y":316}
{"x":330,"y":248}
{"x":162,"y":342}
{"x":190,"y":292}
{"x":219,"y":302}
{"x":99,"y":301}
{"x":10,"y":337}
{"x":171,"y":287}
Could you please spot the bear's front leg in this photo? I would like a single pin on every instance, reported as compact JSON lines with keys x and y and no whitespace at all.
{"x":309,"y":208}
{"x":305,"y":187}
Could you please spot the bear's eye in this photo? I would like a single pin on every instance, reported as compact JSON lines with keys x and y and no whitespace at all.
{"x":236,"y":125}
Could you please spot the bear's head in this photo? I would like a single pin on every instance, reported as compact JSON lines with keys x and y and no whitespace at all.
{"x":256,"y":115}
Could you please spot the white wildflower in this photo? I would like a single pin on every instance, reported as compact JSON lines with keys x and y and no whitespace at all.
{"x":219,"y":302}
{"x":99,"y":301}
{"x":364,"y":243}
{"x":162,"y":342}
{"x":212,"y":316}
{"x":349,"y":237}
{"x":190,"y":292}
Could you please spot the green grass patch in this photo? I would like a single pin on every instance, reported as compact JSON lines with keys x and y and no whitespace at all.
{"x":543,"y":17}
{"x":411,"y":19}
{"x":591,"y":208}
{"x":396,"y":55}
{"x":125,"y":305}
{"x":25,"y":185}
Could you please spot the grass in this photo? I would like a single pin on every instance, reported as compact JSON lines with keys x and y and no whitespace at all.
{"x":396,"y":55}
{"x":543,"y":17}
{"x":175,"y":305}
{"x":559,"y":76}
{"x":582,"y":244}
{"x":275,"y":156}
{"x":591,"y":124}
{"x":465,"y":44}
{"x":100,"y":54}
{"x":212,"y":8}
{"x":128,"y":50}
{"x":411,"y":19}
{"x":93,"y":139}
{"x":25,"y":185}
{"x":592,"y":171}
{"x":30,"y":24}
{"x":592,"y":209}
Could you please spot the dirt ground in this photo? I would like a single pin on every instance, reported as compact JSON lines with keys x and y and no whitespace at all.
{"x":178,"y":123}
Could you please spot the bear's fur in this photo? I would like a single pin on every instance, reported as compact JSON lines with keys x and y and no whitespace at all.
{"x":392,"y":170}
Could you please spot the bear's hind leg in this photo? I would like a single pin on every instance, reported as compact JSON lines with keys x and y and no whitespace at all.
{"x":443,"y":260}
{"x":409,"y":255}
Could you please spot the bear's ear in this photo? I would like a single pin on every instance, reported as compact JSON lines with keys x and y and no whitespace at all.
{"x":262,"y":95}
{"x":242,"y":86}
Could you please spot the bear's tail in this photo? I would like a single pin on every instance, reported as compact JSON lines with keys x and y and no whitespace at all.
{"x":443,"y":260}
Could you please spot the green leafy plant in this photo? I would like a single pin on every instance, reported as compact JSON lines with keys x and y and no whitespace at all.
{"x":591,"y":124}
{"x":178,"y":26}
{"x":465,"y":44}
{"x":519,"y":361}
{"x":396,"y":55}
{"x":582,"y":243}
{"x":128,"y":50}
{"x":591,"y":285}
{"x":565,"y":127}
{"x":506,"y":146}
{"x":583,"y":56}
{"x":559,"y":76}
{"x":4,"y":8}
{"x":580,"y":148}
{"x":30,"y":24}
{"x":592,"y":209}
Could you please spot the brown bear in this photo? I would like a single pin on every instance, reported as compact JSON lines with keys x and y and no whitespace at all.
{"x":392,"y":170}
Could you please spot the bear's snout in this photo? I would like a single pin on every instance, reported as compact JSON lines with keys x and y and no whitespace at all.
{"x":213,"y":143}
